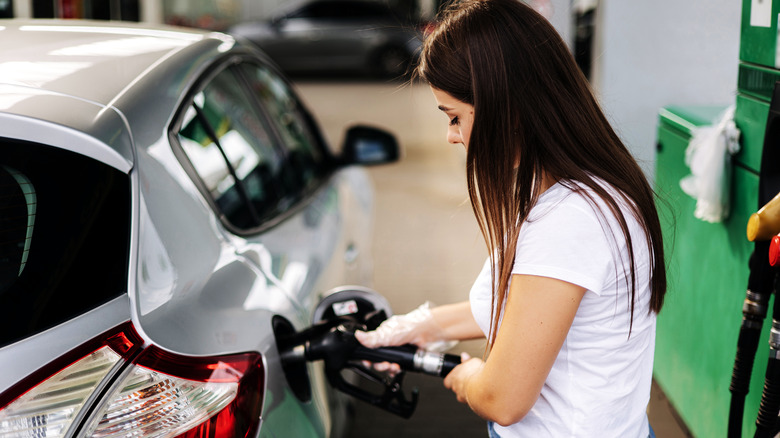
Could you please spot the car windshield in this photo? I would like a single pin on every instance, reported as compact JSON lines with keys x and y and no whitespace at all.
{"x":64,"y":236}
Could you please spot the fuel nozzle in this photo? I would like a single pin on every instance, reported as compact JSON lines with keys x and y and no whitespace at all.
{"x":339,"y":349}
{"x":339,"y":345}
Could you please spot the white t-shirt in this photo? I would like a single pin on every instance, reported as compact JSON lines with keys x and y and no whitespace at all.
{"x":599,"y":385}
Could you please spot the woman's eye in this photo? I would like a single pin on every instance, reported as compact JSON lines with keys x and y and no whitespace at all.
{"x":454,"y":121}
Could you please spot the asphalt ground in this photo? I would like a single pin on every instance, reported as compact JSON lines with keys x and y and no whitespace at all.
{"x":427,"y":245}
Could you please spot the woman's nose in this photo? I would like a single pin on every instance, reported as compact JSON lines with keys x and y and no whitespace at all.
{"x":453,"y":135}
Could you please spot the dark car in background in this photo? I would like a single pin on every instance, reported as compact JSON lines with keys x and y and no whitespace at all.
{"x":337,"y":36}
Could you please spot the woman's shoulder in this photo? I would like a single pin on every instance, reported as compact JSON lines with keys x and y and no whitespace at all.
{"x":575,"y":201}
{"x":563,"y":197}
{"x":577,"y":193}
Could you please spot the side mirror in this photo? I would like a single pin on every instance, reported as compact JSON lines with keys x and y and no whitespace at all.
{"x":368,"y":146}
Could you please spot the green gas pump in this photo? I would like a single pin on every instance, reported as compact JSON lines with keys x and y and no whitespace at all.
{"x":710,"y":263}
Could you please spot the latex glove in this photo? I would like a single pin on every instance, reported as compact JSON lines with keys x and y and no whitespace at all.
{"x":416,"y":327}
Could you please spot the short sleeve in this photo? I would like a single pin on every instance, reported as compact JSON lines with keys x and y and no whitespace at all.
{"x":566,"y":240}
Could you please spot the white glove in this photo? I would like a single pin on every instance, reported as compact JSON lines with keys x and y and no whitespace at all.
{"x":416,"y":327}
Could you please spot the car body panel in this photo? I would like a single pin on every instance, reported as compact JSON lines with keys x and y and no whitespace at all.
{"x":87,"y":128}
{"x":194,"y":288}
{"x":58,"y":56}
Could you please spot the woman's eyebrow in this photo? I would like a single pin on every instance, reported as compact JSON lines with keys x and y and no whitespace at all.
{"x":444,"y":108}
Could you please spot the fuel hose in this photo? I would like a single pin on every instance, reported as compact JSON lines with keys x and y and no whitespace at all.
{"x":762,"y":226}
{"x":765,"y":224}
{"x":754,"y":310}
{"x":766,"y":421}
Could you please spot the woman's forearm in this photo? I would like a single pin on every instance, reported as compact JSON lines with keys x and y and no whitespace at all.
{"x":456,"y":321}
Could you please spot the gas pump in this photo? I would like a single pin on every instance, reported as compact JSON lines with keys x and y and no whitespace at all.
{"x":762,"y":281}
{"x":331,"y":339}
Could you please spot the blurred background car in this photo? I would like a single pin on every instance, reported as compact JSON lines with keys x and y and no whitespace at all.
{"x":338,"y":36}
{"x":170,"y":209}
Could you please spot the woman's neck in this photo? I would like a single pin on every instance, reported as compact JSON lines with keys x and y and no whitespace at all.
{"x":545,"y":182}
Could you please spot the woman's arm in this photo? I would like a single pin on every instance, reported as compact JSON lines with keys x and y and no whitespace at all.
{"x":538,"y":314}
{"x":423,"y":326}
{"x":456,"y":322}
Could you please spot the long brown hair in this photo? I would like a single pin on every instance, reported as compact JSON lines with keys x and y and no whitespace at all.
{"x":534,"y":114}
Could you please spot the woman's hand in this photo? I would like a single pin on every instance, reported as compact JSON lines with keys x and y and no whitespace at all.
{"x":432,"y":328}
{"x":416,"y":327}
{"x":458,"y":379}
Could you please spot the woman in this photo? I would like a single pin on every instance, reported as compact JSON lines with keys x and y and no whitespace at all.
{"x":568,"y":298}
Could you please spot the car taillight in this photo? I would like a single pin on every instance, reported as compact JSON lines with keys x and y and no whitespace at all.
{"x":167,"y":395}
{"x":47,"y":403}
{"x":160,"y":394}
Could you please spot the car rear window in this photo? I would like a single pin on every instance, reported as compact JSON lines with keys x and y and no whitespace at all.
{"x":64,"y":236}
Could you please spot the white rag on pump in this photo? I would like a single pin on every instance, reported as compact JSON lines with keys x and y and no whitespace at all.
{"x":709,"y":158}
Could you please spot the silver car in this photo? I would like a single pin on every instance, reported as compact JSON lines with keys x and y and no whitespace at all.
{"x":169,"y":209}
{"x":337,"y":36}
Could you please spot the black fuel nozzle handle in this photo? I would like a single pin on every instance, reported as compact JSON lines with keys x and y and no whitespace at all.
{"x":339,"y":345}
{"x":339,"y":349}
{"x":410,"y":358}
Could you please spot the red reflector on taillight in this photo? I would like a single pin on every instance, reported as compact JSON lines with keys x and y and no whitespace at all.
{"x":47,"y":402}
{"x":167,"y":395}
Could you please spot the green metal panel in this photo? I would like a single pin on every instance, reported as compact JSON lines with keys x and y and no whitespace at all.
{"x":707,"y":269}
{"x":684,"y":119}
{"x":758,"y":39}
{"x":757,"y":81}
{"x":750,"y":116}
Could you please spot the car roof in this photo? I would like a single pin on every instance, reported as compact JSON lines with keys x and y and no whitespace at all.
{"x":112,"y":82}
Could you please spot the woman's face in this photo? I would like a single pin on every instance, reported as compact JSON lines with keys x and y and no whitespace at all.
{"x":460,"y":115}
